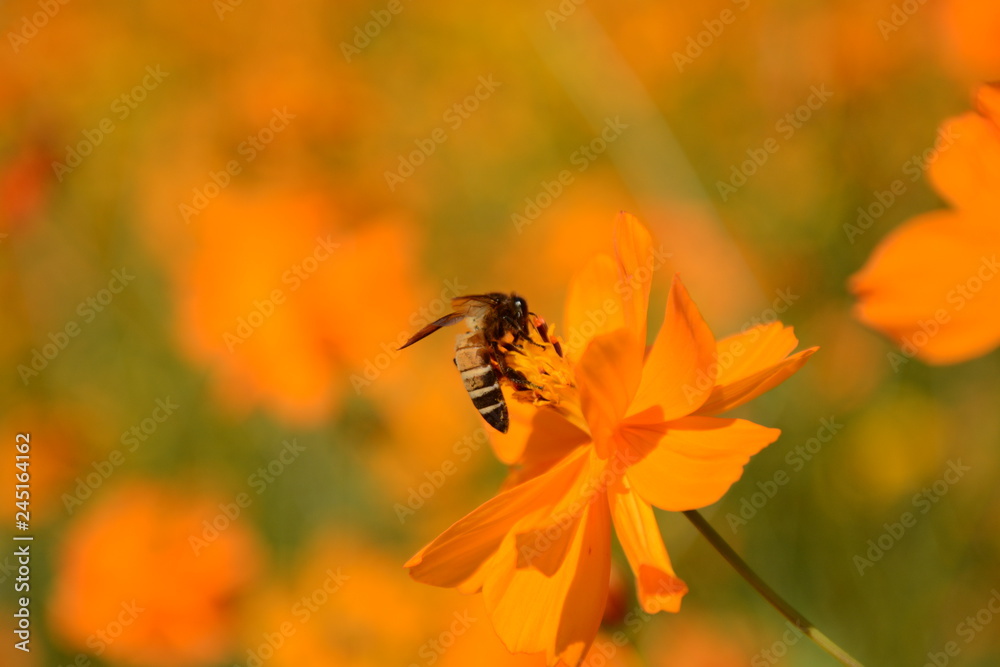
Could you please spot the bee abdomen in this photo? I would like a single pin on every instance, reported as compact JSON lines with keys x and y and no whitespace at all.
{"x":489,"y":401}
{"x":481,"y":382}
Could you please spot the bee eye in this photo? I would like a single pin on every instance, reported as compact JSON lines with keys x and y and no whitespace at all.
{"x":520,"y":304}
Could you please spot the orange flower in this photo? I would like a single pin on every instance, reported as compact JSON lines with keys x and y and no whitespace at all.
{"x":930,"y":285}
{"x":971,"y":28}
{"x":334,"y":610}
{"x":262,"y":300}
{"x":618,"y":430}
{"x":130,"y":588}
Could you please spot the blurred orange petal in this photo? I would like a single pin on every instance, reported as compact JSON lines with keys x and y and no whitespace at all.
{"x":971,"y":27}
{"x":966,"y":170}
{"x":263,"y":302}
{"x":931,"y":286}
{"x":131,"y":556}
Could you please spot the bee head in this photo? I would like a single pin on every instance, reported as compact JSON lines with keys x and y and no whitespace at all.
{"x":520,"y":310}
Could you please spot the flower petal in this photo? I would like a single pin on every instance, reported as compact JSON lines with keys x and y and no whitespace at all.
{"x":743,"y":354}
{"x":636,"y":263}
{"x":932,"y":286}
{"x":658,"y":588}
{"x":971,"y":28}
{"x":509,"y":447}
{"x":559,"y":614}
{"x":966,"y":170}
{"x":692,"y":462}
{"x":593,"y":307}
{"x":455,"y":555}
{"x":607,"y":375}
{"x":678,"y":374}
{"x":542,"y":440}
{"x":752,"y":363}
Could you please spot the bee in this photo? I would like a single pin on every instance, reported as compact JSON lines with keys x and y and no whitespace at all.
{"x":480,"y":352}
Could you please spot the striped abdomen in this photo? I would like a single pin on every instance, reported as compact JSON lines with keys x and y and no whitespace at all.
{"x":472,"y":357}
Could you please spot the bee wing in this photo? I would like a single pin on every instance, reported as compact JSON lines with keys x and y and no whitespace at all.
{"x":451,"y":318}
{"x":463,"y":304}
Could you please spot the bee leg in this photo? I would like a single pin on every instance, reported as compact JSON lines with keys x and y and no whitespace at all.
{"x":516,"y":377}
{"x":519,"y":381}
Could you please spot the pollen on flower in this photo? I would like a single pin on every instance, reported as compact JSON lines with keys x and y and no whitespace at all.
{"x":541,"y":362}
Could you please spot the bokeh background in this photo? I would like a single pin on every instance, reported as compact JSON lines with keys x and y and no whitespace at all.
{"x":219,"y":219}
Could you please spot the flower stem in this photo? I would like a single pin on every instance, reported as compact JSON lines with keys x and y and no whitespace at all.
{"x":789,"y":612}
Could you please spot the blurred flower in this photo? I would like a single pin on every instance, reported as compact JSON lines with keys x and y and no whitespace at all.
{"x":618,"y":430}
{"x":282,"y":301}
{"x":971,"y":28}
{"x":930,"y":284}
{"x":701,"y":641}
{"x":852,"y":365}
{"x":24,"y":181}
{"x":348,"y":605}
{"x":911,"y":431}
{"x":129,"y":586}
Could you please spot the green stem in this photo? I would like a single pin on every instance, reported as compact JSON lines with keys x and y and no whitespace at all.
{"x":787,"y":610}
